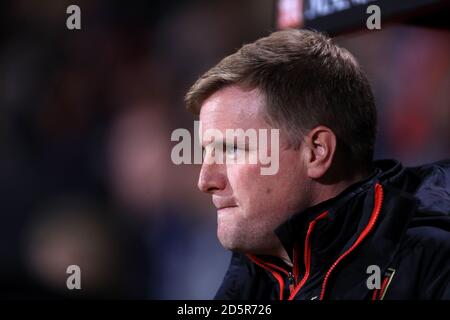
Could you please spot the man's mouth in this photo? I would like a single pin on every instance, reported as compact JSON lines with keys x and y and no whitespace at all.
{"x":222,"y":204}
{"x":229,"y":207}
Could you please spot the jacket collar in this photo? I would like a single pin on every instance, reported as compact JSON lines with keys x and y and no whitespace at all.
{"x":348,"y":214}
{"x":295,"y":227}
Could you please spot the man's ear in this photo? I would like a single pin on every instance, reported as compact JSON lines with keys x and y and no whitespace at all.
{"x":320,"y":147}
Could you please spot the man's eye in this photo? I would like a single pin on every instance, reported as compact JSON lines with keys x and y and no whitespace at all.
{"x":231,"y":149}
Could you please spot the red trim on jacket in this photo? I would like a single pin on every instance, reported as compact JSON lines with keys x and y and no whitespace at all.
{"x":307,"y":256}
{"x":272,"y":269}
{"x":373,"y":218}
{"x":378,"y":293}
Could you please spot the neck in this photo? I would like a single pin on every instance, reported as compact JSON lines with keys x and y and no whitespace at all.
{"x":283,"y":255}
{"x":320,"y":193}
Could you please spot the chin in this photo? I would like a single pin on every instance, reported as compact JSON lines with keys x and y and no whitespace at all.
{"x":236,"y":245}
{"x":228,"y":241}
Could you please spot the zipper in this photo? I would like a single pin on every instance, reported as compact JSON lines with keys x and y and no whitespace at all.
{"x":307,"y":256}
{"x":378,"y":294}
{"x":273,"y":269}
{"x":292,"y":277}
{"x":370,"y":225}
{"x":291,"y":281}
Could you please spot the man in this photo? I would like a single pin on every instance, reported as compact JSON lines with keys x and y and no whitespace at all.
{"x":331,"y":223}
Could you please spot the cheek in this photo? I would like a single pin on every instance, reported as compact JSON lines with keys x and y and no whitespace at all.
{"x":291,"y":167}
{"x":258,"y":193}
{"x":254,"y":192}
{"x":243,"y":179}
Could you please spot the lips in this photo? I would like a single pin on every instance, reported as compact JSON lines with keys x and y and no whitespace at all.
{"x":218,"y":209}
{"x":222,"y":203}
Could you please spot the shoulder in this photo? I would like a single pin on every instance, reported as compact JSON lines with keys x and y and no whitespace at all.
{"x":425,"y":256}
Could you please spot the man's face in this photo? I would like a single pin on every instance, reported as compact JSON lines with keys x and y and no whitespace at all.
{"x":250,"y":205}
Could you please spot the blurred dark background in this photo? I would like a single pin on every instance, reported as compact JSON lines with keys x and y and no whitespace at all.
{"x":86,"y":117}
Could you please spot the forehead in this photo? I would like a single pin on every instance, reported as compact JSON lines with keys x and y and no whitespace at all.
{"x":233,"y":108}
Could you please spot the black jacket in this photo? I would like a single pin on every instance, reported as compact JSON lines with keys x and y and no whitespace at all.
{"x":397,"y":220}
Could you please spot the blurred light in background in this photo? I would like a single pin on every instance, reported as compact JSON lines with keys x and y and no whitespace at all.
{"x":85,"y":127}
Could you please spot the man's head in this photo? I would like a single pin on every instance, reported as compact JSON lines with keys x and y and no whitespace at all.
{"x":317,"y":95}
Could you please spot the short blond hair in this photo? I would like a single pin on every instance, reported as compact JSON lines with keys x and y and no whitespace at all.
{"x":306,"y":80}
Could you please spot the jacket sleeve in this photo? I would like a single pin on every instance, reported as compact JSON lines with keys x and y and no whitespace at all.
{"x":436,"y":282}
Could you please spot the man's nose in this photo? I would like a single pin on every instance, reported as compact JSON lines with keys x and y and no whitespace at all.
{"x":211,"y":178}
